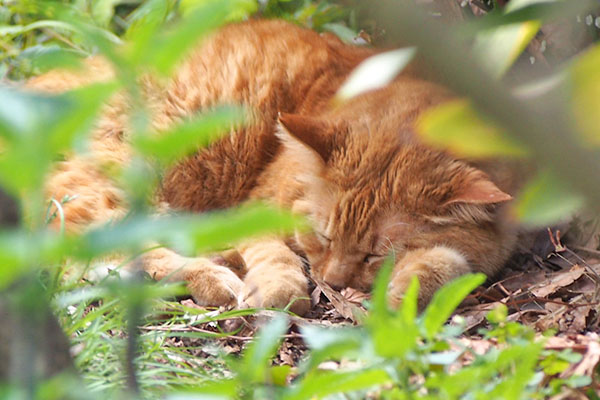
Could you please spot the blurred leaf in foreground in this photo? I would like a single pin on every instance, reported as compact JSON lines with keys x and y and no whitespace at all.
{"x":585,"y":92}
{"x":375,"y":72}
{"x":242,"y":9}
{"x":254,"y":365}
{"x":546,"y":200}
{"x":189,"y":136}
{"x":21,"y":251}
{"x":326,"y":383}
{"x":446,"y":300}
{"x":455,"y":126}
{"x":163,"y":50}
{"x":188,"y":233}
{"x":148,"y":17}
{"x":37,"y":128}
{"x":499,"y":48}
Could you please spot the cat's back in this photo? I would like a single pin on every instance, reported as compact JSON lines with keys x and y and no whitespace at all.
{"x":270,"y":65}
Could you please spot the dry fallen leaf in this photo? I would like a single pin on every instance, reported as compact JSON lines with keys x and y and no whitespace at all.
{"x":557,"y":281}
{"x":590,"y":359}
{"x":285,"y":354}
{"x":355,"y":296}
{"x":580,"y":315}
{"x":315,"y":296}
{"x":190,"y":303}
{"x":342,"y":305}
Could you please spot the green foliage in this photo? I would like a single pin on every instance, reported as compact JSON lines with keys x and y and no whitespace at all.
{"x":458,"y":128}
{"x":546,"y":199}
{"x":186,"y":137}
{"x":319,"y":15}
{"x":395,"y":353}
{"x":585,"y":89}
{"x":394,"y":347}
{"x":37,"y":130}
{"x":39,"y":35}
{"x":375,"y":73}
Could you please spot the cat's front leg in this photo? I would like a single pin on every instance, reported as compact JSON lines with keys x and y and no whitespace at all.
{"x":434,"y":267}
{"x":275,"y":276}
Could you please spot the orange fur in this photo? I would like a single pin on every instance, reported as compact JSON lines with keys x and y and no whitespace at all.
{"x":356,"y":170}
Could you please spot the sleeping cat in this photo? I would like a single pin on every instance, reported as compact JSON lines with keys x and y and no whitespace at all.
{"x":357,"y":171}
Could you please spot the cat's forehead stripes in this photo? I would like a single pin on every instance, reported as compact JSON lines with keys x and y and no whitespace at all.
{"x":352,"y":218}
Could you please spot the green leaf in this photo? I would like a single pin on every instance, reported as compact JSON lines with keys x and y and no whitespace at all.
{"x":147,"y":18}
{"x":546,"y":200}
{"x":382,"y":323}
{"x":577,"y":381}
{"x":553,"y":365}
{"x":242,"y":9}
{"x":330,"y":343}
{"x":75,"y":119}
{"x":409,"y":307}
{"x":446,"y":300}
{"x":255,"y":361}
{"x":585,"y":92}
{"x":341,"y":31}
{"x":21,"y":251}
{"x":445,"y":358}
{"x":186,"y":233}
{"x":379,"y":304}
{"x":514,"y":364}
{"x":375,"y":72}
{"x":570,"y":356}
{"x":223,"y":389}
{"x":45,"y":58}
{"x":499,"y":48}
{"x":168,"y":48}
{"x":321,"y":383}
{"x":22,"y":113}
{"x":108,"y":44}
{"x":187,"y":137}
{"x":522,"y":370}
{"x":38,"y":127}
{"x":279,"y":374}
{"x":455,"y":126}
{"x":13,"y":30}
{"x":103,"y":11}
{"x":498,"y":314}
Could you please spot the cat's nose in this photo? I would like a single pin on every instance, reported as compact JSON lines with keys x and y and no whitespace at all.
{"x":336,"y":277}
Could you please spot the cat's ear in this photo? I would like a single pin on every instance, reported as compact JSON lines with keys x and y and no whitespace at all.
{"x":477,"y":188}
{"x":312,"y":134}
{"x":470,"y":197}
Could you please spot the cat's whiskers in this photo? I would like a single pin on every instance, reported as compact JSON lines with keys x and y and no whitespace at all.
{"x":389,"y":248}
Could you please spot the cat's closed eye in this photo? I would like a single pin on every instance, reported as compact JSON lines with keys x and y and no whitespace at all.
{"x":325,"y":241}
{"x":373,"y":258}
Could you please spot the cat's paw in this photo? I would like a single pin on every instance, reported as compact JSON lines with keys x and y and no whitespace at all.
{"x":231,"y":259}
{"x":214,"y":285}
{"x":278,"y":293}
{"x":434,"y":267}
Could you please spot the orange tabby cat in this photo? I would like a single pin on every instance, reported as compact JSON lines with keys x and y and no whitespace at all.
{"x":366,"y":183}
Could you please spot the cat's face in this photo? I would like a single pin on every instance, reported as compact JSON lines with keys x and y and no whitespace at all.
{"x":369,"y":196}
